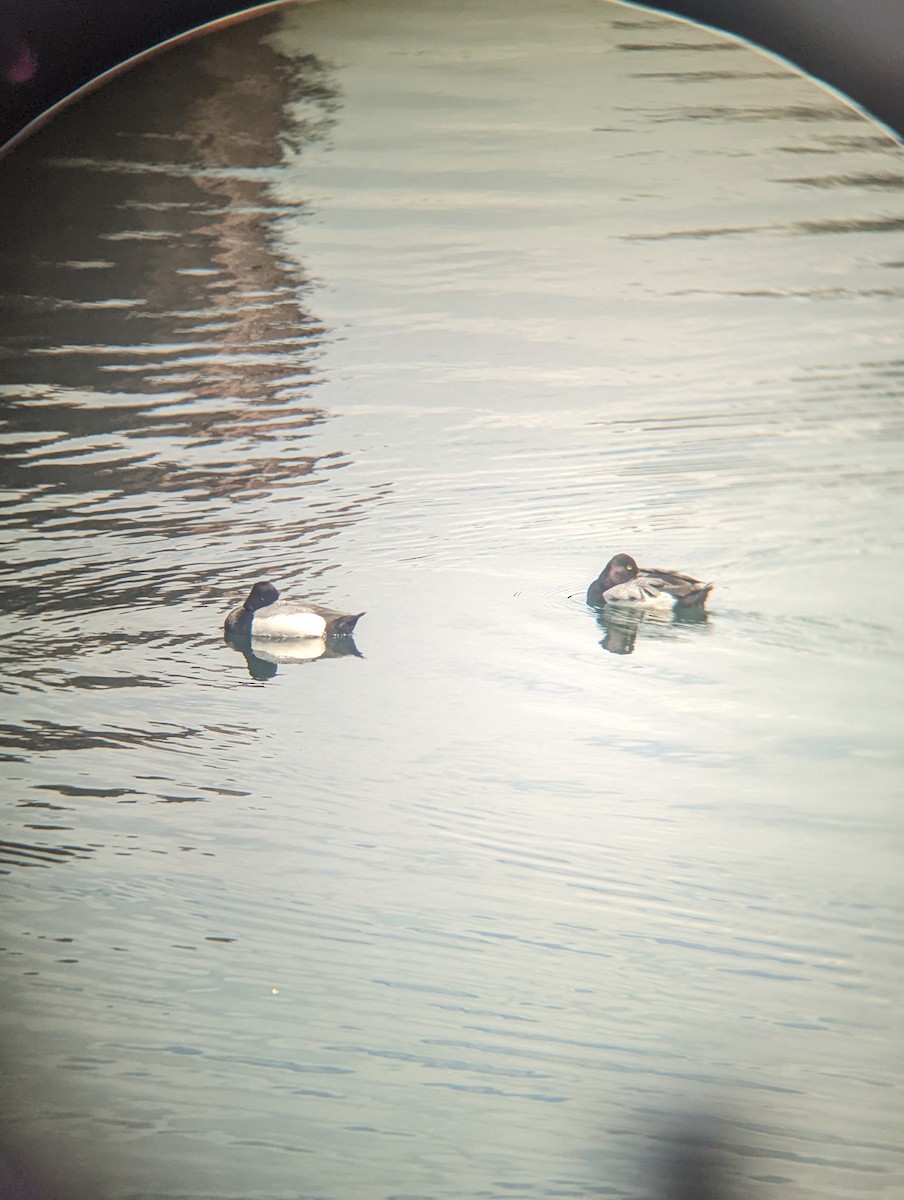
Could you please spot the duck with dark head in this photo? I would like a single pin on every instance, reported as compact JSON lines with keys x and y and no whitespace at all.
{"x":264,"y":615}
{"x":624,"y":583}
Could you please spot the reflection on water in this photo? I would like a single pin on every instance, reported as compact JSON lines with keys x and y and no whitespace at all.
{"x":23,"y":854}
{"x":621,"y":627}
{"x":161,"y":349}
{"x":423,"y":307}
{"x":263,"y":657}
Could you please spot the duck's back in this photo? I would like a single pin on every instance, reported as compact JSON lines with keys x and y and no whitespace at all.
{"x":686,"y":591}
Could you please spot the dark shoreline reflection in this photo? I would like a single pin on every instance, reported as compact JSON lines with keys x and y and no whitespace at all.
{"x":264,"y":657}
{"x":622,"y":626}
{"x":162,"y":429}
{"x":159,"y":359}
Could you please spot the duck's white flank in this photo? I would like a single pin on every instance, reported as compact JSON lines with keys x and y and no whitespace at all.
{"x":303,"y":624}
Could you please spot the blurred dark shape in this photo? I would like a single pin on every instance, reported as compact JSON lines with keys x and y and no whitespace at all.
{"x":52,"y":48}
{"x":12,"y":1185}
{"x":19,"y":63}
{"x":693,"y":1165}
{"x":855,"y":47}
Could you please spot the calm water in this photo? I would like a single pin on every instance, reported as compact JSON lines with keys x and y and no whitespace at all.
{"x":427,"y":310}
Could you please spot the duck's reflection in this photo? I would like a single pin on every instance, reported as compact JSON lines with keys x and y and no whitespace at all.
{"x":263,"y":656}
{"x":622,"y":626}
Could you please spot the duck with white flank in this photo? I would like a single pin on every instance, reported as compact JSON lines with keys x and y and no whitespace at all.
{"x":624,"y":583}
{"x":264,"y":615}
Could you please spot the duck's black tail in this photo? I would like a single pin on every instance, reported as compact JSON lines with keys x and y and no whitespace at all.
{"x":342,"y":626}
{"x":696,"y":599}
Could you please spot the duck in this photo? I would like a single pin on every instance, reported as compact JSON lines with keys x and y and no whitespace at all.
{"x":264,"y":615}
{"x":624,"y":583}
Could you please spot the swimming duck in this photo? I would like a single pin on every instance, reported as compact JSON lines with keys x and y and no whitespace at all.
{"x":264,"y":615}
{"x":622,"y":582}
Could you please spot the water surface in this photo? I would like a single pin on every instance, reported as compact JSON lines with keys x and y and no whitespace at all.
{"x":427,"y":311}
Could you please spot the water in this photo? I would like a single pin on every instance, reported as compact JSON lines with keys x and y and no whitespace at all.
{"x":427,"y":311}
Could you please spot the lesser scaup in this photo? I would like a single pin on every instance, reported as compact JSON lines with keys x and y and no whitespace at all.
{"x":264,"y":615}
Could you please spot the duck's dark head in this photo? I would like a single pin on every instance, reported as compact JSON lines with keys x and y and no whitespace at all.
{"x":260,"y":596}
{"x":620,"y":569}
